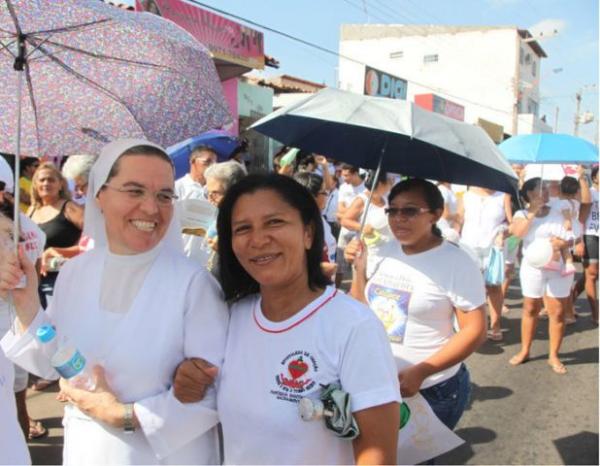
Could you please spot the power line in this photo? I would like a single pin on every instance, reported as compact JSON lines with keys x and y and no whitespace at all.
{"x":345,"y":57}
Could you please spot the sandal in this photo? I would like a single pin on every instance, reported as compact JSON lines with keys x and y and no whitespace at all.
{"x":36,"y":430}
{"x":570,"y":320}
{"x":559,"y":368}
{"x":494,"y":335}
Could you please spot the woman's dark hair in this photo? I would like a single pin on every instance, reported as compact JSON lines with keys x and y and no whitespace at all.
{"x":148,"y":151}
{"x":371,"y":183}
{"x":594,"y":172}
{"x":530,"y":185}
{"x":430,"y":192}
{"x":310,"y":181}
{"x":235,"y":281}
{"x":569,"y":185}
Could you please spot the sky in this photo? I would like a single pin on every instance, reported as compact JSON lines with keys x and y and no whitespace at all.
{"x":571,"y":65}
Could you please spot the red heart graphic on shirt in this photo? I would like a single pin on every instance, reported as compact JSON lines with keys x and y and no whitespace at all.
{"x":297,"y":368}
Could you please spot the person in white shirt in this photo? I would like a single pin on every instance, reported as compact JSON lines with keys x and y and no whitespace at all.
{"x":351,"y":187}
{"x":589,"y":216}
{"x":543,"y":223}
{"x":449,"y":218}
{"x":291,"y":332}
{"x":376,"y":230}
{"x":417,"y":284}
{"x":32,"y":240}
{"x":135,"y":306}
{"x":15,"y":424}
{"x":191,"y":186}
{"x":485,"y":214}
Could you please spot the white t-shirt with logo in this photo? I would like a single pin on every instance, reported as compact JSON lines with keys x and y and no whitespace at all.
{"x":415,"y":295}
{"x":269,"y":366}
{"x":591,"y":223}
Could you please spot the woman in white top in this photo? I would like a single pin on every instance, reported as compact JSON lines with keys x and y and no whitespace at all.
{"x":291,"y":332}
{"x":376,"y":229}
{"x":135,"y":306}
{"x":485,"y":215}
{"x":540,"y":285}
{"x":417,"y":285}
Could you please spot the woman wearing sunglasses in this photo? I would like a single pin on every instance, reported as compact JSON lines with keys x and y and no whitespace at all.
{"x":416,"y":284}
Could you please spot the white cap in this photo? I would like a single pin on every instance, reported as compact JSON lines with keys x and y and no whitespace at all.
{"x":6,"y":175}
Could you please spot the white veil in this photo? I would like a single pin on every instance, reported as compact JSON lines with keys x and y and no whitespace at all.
{"x":94,"y":225}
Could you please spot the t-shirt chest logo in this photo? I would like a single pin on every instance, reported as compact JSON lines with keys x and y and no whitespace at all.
{"x":296,"y":376}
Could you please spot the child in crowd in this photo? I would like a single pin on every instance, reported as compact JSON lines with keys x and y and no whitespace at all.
{"x":569,"y":209}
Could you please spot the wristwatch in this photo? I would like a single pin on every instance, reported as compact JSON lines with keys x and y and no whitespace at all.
{"x":128,"y":424}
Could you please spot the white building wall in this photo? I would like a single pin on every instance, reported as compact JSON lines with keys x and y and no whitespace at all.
{"x":478,"y":65}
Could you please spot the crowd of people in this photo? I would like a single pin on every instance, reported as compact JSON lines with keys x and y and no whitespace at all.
{"x":204,"y":341}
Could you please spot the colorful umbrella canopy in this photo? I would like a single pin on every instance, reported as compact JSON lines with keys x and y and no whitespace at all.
{"x":363,"y":130}
{"x":94,"y":73}
{"x":549,"y":148}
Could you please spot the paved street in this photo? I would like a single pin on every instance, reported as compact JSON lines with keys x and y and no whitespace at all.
{"x":518,"y":415}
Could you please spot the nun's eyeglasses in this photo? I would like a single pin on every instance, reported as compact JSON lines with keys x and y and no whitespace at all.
{"x":405,"y":212}
{"x":140,"y":193}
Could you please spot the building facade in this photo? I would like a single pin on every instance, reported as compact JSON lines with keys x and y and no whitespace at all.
{"x":482,"y":75}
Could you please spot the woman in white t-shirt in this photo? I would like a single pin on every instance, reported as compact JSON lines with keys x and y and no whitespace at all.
{"x":417,"y":284}
{"x":376,"y":229}
{"x":540,"y":285}
{"x":291,"y":332}
{"x":485,"y":215}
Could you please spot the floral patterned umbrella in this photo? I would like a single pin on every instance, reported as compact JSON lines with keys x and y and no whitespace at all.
{"x":75,"y":74}
{"x":92,"y":73}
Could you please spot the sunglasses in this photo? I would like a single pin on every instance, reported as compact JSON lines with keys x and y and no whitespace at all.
{"x":405,"y":212}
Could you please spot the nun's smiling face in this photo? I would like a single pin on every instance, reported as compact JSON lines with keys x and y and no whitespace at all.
{"x":137,"y":204}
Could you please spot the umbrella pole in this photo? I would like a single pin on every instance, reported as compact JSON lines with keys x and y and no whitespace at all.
{"x":364,"y":219}
{"x":18,"y":66}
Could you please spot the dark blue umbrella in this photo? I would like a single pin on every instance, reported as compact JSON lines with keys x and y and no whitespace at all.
{"x":223,"y":143}
{"x":549,"y":148}
{"x":391,"y":134}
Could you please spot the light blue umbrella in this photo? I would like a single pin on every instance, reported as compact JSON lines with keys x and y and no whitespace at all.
{"x":549,"y":148}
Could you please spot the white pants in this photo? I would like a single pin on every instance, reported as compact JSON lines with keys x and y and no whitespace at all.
{"x":537,"y":283}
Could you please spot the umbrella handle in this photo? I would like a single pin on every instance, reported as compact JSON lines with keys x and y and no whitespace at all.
{"x":377,"y":172}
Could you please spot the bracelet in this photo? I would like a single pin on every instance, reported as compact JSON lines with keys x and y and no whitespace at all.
{"x":128,"y":424}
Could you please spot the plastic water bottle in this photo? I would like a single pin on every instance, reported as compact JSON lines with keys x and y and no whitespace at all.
{"x":55,"y":263}
{"x":68,"y":361}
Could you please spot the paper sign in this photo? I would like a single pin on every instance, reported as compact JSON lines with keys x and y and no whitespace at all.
{"x":196,"y":215}
{"x":424,"y":436}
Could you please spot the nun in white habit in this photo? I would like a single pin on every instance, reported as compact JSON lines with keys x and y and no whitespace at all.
{"x":136,"y":307}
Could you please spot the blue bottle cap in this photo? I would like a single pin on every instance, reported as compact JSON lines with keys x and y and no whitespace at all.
{"x":45,"y":333}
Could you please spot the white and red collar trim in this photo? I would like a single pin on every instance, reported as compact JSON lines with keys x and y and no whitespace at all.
{"x":304,"y":314}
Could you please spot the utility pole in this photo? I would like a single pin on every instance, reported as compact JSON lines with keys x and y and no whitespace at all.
{"x":556,"y":120}
{"x":578,"y":98}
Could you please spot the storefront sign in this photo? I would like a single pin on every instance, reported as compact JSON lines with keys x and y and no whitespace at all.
{"x":227,"y":40}
{"x":380,"y":84}
{"x":437,"y":104}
